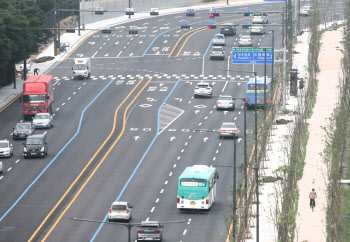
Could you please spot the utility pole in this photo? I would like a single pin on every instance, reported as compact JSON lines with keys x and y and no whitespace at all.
{"x":284,"y":82}
{"x":265,"y":85}
{"x":55,"y":25}
{"x":79,"y":18}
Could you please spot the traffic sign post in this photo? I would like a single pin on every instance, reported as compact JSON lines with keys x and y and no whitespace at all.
{"x":250,"y":55}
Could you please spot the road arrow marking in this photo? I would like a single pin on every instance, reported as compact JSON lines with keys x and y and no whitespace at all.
{"x":225,"y":112}
{"x":106,"y":54}
{"x":205,"y":139}
{"x":197,"y":111}
{"x":136,"y":137}
{"x":91,"y":43}
{"x":239,"y":140}
{"x":238,"y":83}
{"x":131,"y":54}
{"x":172,"y":138}
{"x":178,"y":99}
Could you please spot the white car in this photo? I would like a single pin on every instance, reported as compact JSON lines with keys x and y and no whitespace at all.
{"x":43,"y":120}
{"x":6,"y":149}
{"x":229,"y":130}
{"x":258,"y":30}
{"x":120,"y":211}
{"x":260,"y":18}
{"x":1,"y":166}
{"x":245,"y":40}
{"x":305,"y":10}
{"x":203,"y":89}
{"x":225,"y":102}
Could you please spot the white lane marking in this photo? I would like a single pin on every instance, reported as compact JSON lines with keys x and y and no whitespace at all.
{"x":63,"y":104}
{"x":119,"y":53}
{"x":55,"y":83}
{"x":79,"y":88}
{"x":94,"y":54}
{"x":189,"y":221}
{"x":147,"y":219}
{"x":228,"y":65}
{"x":84,"y":83}
{"x":104,"y":43}
{"x":68,"y":98}
{"x":57,"y":109}
{"x":53,"y":114}
{"x":178,"y":158}
{"x":152,"y":209}
{"x":239,"y":112}
{"x":235,"y":118}
{"x":174,"y":166}
{"x":157,"y":200}
{"x":210,"y":112}
{"x":205,"y":117}
{"x":182,"y":150}
{"x":219,"y":144}
{"x":100,"y":47}
{"x":223,"y":89}
{"x":185,"y":231}
{"x":1,"y":177}
{"x":74,"y":93}
{"x":9,"y":169}
{"x":214,"y":158}
{"x":45,"y":132}
{"x":186,"y":143}
{"x":217,"y":151}
{"x":200,"y":124}
{"x":166,"y":182}
{"x":171,"y":173}
{"x":161,"y":191}
{"x":17,"y":161}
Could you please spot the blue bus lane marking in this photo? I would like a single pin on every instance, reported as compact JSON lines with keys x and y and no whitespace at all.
{"x":53,"y":160}
{"x":140,"y":162}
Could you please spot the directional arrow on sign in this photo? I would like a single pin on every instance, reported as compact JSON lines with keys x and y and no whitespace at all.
{"x":205,"y":139}
{"x":197,"y":111}
{"x":136,"y":137}
{"x":239,"y":140}
{"x":172,"y":138}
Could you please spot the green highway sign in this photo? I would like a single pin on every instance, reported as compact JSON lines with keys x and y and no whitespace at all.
{"x":251,"y":55}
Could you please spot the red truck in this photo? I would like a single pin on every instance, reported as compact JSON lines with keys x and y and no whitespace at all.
{"x":37,"y":95}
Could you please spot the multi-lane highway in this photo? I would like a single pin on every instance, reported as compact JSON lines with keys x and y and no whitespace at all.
{"x":128,"y":133}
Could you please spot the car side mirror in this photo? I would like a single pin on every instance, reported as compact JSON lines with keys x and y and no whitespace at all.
{"x":72,"y":68}
{"x":130,"y":206}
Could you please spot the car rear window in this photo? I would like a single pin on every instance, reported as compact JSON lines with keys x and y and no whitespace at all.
{"x":119,"y":207}
{"x":258,"y":14}
{"x":217,"y":49}
{"x":229,"y":125}
{"x":245,"y":37}
{"x":219,"y":37}
{"x":225,"y":98}
{"x":202,"y":85}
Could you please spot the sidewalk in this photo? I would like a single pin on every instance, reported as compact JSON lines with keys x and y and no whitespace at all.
{"x":8,"y":93}
{"x":311,"y":226}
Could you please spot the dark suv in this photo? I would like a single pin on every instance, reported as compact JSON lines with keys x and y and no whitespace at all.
{"x":228,"y":29}
{"x":149,"y":231}
{"x":35,"y":145}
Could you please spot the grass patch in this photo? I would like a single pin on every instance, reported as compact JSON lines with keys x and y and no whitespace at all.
{"x":44,"y":59}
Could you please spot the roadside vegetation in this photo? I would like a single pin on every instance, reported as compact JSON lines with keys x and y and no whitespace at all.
{"x":336,"y":152}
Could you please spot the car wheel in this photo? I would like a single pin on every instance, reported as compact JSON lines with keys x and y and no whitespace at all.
{"x":195,"y":96}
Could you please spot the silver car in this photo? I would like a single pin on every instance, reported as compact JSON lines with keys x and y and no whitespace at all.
{"x":229,"y":130}
{"x":43,"y":120}
{"x":23,"y":130}
{"x":219,"y":39}
{"x":217,"y":52}
{"x":120,"y":211}
{"x":245,"y":40}
{"x":258,"y":30}
{"x":6,"y":148}
{"x":225,"y":102}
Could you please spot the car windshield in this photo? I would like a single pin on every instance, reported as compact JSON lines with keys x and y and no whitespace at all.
{"x":245,"y":37}
{"x":229,"y":125}
{"x":79,"y":67}
{"x":257,"y":27}
{"x":23,"y":126}
{"x":119,"y":207}
{"x":202,"y":85}
{"x":4,"y":144}
{"x":258,"y":14}
{"x":41,"y":116}
{"x":219,"y":37}
{"x":225,"y":98}
{"x":34,"y":98}
{"x":34,"y":141}
{"x":217,"y":49}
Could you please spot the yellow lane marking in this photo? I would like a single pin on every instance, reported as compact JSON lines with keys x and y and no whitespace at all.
{"x":10,"y":102}
{"x":87,"y":165}
{"x":183,"y":45}
{"x":180,"y":40}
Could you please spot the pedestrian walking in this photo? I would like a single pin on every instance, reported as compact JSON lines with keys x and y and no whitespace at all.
{"x":36,"y":71}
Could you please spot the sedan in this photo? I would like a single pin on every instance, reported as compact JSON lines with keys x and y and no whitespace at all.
{"x":225,"y":102}
{"x":257,"y":30}
{"x":120,"y":211}
{"x":245,"y":40}
{"x":219,"y":39}
{"x":43,"y":120}
{"x":22,"y":130}
{"x":229,"y":130}
{"x":217,"y":52}
{"x":6,"y":149}
{"x":305,"y":10}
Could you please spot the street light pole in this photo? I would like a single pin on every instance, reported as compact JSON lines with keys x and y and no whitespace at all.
{"x":264,"y":85}
{"x":256,"y":156}
{"x":245,"y":163}
{"x":273,"y":54}
{"x":234,"y":190}
{"x":54,"y":31}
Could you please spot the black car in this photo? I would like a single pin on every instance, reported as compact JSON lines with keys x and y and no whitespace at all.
{"x":228,"y":29}
{"x":35,"y":145}
{"x":149,"y":231}
{"x":23,"y":130}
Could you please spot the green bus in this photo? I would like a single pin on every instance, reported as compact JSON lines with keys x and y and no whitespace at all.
{"x":196,"y":187}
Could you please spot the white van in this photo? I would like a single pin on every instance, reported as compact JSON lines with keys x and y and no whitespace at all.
{"x":260,"y":18}
{"x":81,"y":68}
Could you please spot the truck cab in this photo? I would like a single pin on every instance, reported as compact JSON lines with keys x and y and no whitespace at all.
{"x":81,"y":68}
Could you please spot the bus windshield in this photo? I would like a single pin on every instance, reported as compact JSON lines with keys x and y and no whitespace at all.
{"x":34,"y":98}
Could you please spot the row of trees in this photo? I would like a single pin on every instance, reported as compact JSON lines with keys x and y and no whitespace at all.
{"x":22,"y":33}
